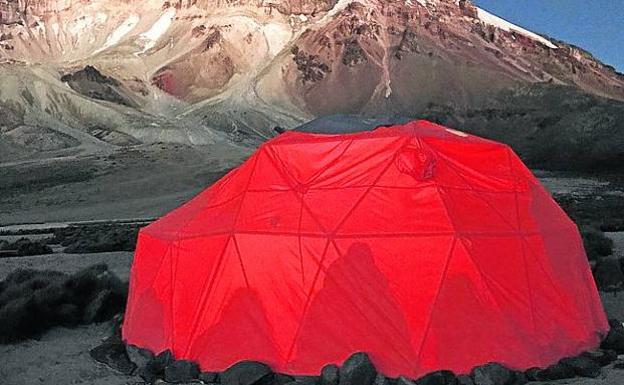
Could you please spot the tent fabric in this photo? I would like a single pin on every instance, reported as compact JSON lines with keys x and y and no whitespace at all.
{"x":425,"y":247}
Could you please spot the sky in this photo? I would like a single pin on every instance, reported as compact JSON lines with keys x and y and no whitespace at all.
{"x":595,"y":25}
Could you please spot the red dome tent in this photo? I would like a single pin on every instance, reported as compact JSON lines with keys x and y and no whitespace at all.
{"x":425,"y":247}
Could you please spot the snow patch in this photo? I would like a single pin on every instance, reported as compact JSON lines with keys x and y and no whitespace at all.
{"x":277,"y":36}
{"x":151,"y":36}
{"x":101,"y":17}
{"x":81,"y":25}
{"x":503,"y":24}
{"x":121,"y":31}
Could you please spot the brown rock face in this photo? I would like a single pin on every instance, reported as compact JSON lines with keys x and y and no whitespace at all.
{"x":246,"y":66}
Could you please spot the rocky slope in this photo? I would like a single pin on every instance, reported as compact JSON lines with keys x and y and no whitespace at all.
{"x":109,"y":73}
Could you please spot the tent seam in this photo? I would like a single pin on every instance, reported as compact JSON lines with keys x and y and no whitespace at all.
{"x":435,"y":298}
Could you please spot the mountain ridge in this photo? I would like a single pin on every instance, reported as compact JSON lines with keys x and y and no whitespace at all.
{"x":208,"y":71}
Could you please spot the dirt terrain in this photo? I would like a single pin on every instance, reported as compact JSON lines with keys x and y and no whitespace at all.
{"x":142,"y":182}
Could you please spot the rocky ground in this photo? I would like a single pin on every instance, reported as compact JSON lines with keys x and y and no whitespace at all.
{"x":61,"y":355}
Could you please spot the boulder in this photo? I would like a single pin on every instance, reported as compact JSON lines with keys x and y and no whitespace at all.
{"x":615,"y":337}
{"x":112,"y":353}
{"x":608,"y":274}
{"x":329,"y":375}
{"x":139,"y":356}
{"x":357,"y":370}
{"x":582,"y":366}
{"x":556,"y":371}
{"x":155,"y":368}
{"x":380,"y":379}
{"x":464,"y":380}
{"x":441,"y":377}
{"x":247,"y":373}
{"x":283,"y":379}
{"x":492,"y":374}
{"x":405,"y":381}
{"x":601,"y":357}
{"x":181,"y":371}
{"x":532,"y":374}
{"x":306,"y":380}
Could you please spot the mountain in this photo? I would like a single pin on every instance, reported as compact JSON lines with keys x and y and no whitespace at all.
{"x":94,"y":75}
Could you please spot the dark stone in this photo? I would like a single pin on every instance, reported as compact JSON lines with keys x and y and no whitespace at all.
{"x":247,"y":373}
{"x":554,"y":372}
{"x":209,"y":377}
{"x":306,"y":380}
{"x":464,"y":380}
{"x":139,"y":356}
{"x":181,"y":371}
{"x":519,"y":378}
{"x":441,"y":377}
{"x":155,"y":368}
{"x":330,"y":375}
{"x":92,"y":83}
{"x":357,"y":370}
{"x":532,"y":374}
{"x":582,"y":366}
{"x":405,"y":381}
{"x":615,"y":337}
{"x":114,"y":355}
{"x":601,"y":357}
{"x":492,"y":374}
{"x":608,"y":275}
{"x":380,"y":379}
{"x":619,"y":365}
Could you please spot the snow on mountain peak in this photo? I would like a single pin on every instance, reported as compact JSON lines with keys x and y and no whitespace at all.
{"x":503,"y":24}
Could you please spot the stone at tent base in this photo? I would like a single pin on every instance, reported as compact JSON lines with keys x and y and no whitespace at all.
{"x":441,"y":377}
{"x":330,"y":375}
{"x":556,"y":371}
{"x":139,"y":356}
{"x":209,"y":377}
{"x":464,"y":380}
{"x":247,"y":373}
{"x":532,"y":374}
{"x":155,"y":368}
{"x":181,"y":371}
{"x":615,"y":337}
{"x":306,"y":380}
{"x":492,"y":374}
{"x":357,"y":370}
{"x":380,"y":379}
{"x":601,"y":357}
{"x":582,"y":366}
{"x":113,"y":354}
{"x":405,"y":381}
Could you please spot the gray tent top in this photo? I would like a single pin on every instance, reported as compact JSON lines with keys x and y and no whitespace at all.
{"x":347,"y":124}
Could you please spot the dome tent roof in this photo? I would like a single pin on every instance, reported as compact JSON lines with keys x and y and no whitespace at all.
{"x":423,"y":246}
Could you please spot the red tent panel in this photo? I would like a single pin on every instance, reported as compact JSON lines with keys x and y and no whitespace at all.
{"x":422,"y":246}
